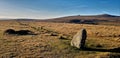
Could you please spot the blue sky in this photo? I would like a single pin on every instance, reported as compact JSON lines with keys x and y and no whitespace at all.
{"x":43,"y":9}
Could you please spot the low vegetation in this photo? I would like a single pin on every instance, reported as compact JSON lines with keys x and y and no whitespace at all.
{"x":53,"y":40}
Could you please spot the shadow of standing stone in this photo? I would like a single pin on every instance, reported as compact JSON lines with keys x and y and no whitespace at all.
{"x":78,"y":40}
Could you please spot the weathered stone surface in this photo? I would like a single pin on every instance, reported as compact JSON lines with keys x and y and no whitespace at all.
{"x":79,"y":39}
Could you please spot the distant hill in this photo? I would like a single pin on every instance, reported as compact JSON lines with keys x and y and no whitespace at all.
{"x":106,"y":15}
{"x":91,"y":19}
{"x":102,"y":19}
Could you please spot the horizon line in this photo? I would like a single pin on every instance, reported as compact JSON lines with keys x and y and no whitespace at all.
{"x":57,"y":16}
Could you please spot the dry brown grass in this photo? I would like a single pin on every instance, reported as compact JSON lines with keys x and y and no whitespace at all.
{"x":44,"y":45}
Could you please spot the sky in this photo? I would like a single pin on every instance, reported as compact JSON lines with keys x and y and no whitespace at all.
{"x":44,"y":9}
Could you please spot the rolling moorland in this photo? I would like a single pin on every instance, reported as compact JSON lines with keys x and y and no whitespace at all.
{"x":52,"y":37}
{"x":104,"y":19}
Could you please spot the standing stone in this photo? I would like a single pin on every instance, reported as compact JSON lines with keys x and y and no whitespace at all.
{"x":79,"y":39}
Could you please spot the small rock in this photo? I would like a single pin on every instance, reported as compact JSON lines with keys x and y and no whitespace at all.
{"x":54,"y":34}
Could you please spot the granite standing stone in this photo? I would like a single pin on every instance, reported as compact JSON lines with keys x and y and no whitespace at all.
{"x":79,"y":39}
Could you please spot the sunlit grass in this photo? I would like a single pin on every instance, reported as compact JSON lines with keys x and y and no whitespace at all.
{"x":45,"y":44}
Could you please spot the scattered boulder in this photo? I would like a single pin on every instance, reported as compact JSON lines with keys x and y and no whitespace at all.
{"x":9,"y":31}
{"x":24,"y":32}
{"x":20,"y":32}
{"x":63,"y":37}
{"x":54,"y":34}
{"x":79,"y":39}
